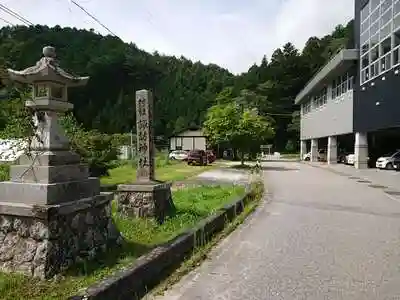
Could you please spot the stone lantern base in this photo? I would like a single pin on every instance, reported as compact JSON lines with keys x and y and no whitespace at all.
{"x":42,"y":241}
{"x":145,"y":199}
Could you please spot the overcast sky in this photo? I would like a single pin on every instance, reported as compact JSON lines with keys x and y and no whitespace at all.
{"x":231,"y":33}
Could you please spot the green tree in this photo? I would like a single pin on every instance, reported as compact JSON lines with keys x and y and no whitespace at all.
{"x":243,"y":128}
{"x":183,"y":90}
{"x":294,"y":126}
{"x":15,"y":118}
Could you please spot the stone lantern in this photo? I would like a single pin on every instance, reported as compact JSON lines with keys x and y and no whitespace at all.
{"x":49,"y":97}
{"x":51,"y":212}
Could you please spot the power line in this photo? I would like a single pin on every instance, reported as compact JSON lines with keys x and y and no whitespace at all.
{"x":93,"y":17}
{"x":8,"y":22}
{"x":15,"y":15}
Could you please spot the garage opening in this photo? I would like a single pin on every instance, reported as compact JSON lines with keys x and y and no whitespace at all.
{"x":383,"y":143}
{"x":345,"y":146}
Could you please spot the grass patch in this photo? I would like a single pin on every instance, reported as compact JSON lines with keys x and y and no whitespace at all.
{"x":4,"y":172}
{"x":192,"y":204}
{"x":202,"y":253}
{"x":172,"y":171}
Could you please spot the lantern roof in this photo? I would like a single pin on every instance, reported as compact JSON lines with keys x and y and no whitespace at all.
{"x":47,"y":69}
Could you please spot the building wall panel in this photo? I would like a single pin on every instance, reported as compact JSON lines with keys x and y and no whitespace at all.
{"x":334,"y":118}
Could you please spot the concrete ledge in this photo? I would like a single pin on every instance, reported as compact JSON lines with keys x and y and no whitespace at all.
{"x":44,"y":211}
{"x":143,"y":186}
{"x":147,"y":271}
{"x":48,"y":194}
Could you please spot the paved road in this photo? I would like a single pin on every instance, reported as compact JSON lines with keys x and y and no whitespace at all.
{"x":224,"y":175}
{"x":389,"y":179}
{"x":322,"y":236}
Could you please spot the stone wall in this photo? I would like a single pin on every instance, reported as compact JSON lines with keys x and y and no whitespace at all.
{"x":43,"y":247}
{"x":155,"y":202}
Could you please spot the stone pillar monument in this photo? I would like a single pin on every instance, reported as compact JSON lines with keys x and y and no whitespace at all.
{"x":145,"y":136}
{"x":51,"y":213}
{"x":146,"y":197}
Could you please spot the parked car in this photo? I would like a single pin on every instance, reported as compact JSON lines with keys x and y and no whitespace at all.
{"x":388,"y":161}
{"x":396,"y":165}
{"x":197,"y":157}
{"x":351,"y":159}
{"x":210,"y":156}
{"x":321,"y":155}
{"x":178,"y":155}
{"x":341,"y":157}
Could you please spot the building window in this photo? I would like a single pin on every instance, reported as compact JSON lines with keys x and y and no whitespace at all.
{"x":341,"y":85}
{"x":315,"y":102}
{"x":374,"y":28}
{"x":374,"y":16}
{"x":374,"y":54}
{"x":365,"y":12}
{"x":379,"y":23}
{"x":364,"y":48}
{"x":386,"y":46}
{"x":306,"y":107}
{"x":386,"y":17}
{"x":396,"y":8}
{"x":375,"y":4}
{"x":320,"y":98}
{"x":365,"y":74}
{"x":386,"y":4}
{"x":365,"y":61}
{"x":178,"y":143}
{"x":396,"y":54}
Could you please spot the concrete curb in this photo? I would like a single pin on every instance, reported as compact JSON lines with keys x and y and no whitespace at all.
{"x":147,"y":271}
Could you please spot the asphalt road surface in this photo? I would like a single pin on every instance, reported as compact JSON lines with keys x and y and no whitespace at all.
{"x":317,"y":235}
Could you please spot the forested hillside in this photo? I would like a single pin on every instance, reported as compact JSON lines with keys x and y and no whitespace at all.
{"x":183,"y":89}
{"x":278,"y":81}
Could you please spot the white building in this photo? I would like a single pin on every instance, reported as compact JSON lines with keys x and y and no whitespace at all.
{"x":188,"y":140}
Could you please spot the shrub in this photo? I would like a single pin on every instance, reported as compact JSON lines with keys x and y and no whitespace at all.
{"x":122,"y":139}
{"x":4,"y":172}
{"x":96,"y":149}
{"x":161,"y":159}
